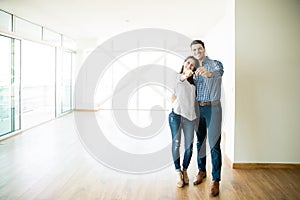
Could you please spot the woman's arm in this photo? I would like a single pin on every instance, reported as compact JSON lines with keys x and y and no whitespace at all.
{"x":173,"y":97}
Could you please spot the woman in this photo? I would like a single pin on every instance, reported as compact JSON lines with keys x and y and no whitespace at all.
{"x":183,"y":116}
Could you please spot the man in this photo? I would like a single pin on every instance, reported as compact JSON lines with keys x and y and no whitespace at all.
{"x":208,"y":81}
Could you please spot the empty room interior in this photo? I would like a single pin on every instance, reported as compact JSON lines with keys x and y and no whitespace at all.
{"x":85,"y":98}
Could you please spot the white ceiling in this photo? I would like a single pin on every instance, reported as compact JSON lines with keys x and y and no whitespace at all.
{"x":96,"y":19}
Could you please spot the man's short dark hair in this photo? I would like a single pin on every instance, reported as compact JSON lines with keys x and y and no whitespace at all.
{"x":197,"y":42}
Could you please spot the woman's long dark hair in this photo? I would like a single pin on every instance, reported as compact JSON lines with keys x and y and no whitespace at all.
{"x":190,"y":79}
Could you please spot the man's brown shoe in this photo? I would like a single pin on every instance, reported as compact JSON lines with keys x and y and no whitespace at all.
{"x":200,"y":176}
{"x":214,"y":188}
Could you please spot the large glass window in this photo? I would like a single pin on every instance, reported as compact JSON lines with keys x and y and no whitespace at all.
{"x":9,"y":85}
{"x":5,"y":21}
{"x":38,"y":83}
{"x":145,"y":96}
{"x":27,"y":29}
{"x":36,"y":80}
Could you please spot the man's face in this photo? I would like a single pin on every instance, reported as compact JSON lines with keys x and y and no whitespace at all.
{"x":198,"y":51}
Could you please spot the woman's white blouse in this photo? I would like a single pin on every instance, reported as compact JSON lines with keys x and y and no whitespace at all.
{"x":185,"y":101}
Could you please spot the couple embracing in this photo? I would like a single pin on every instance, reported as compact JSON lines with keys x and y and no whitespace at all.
{"x":196,"y":107}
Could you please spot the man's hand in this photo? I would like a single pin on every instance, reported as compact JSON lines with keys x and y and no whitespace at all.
{"x":203,"y":72}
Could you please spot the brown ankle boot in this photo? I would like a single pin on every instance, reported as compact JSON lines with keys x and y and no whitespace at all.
{"x":200,"y":176}
{"x":214,"y":188}
{"x":185,"y":177}
{"x":180,"y":182}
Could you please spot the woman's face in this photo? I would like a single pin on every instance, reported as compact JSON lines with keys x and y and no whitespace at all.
{"x":189,"y":64}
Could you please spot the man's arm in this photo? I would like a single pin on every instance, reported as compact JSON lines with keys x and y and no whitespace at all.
{"x":218,"y":71}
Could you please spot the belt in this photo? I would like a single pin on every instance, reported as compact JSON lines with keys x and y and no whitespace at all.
{"x":210,"y":103}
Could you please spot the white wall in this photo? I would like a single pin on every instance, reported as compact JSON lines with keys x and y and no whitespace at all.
{"x":267,"y":81}
{"x":219,"y":43}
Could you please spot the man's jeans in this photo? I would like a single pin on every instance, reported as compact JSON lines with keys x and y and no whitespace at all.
{"x":210,"y":125}
{"x":177,"y":123}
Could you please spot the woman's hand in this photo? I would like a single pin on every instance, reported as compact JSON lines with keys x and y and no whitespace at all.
{"x":173,"y":98}
{"x":188,"y":73}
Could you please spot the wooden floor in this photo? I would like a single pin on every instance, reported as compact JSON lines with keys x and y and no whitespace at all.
{"x":49,"y":162}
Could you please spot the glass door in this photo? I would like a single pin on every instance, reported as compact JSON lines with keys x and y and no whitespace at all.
{"x":63,"y":82}
{"x":9,"y":85}
{"x":38,"y":83}
{"x":66,"y":103}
